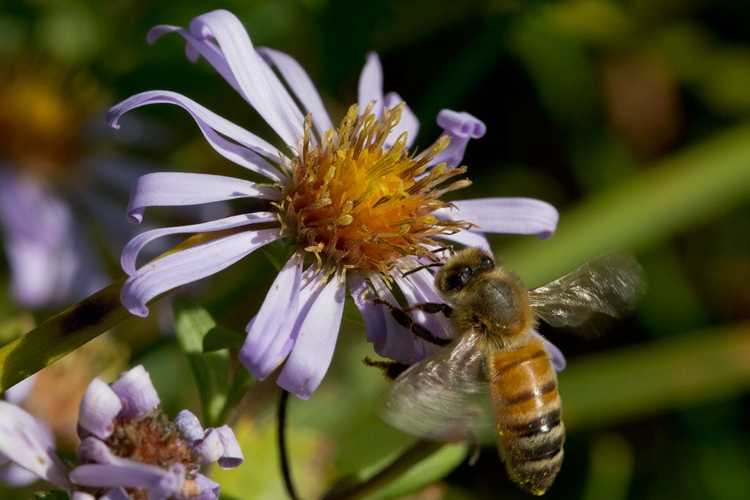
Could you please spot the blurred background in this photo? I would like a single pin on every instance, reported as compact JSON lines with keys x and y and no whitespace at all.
{"x":632,"y":117}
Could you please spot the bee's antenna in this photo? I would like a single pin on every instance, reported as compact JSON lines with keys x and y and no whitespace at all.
{"x":417,"y":269}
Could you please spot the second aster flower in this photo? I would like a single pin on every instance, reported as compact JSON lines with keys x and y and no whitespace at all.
{"x":129,"y":448}
{"x":358,"y":204}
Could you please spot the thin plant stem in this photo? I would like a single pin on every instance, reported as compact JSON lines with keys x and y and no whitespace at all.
{"x":286,"y":470}
{"x":400,"y":466}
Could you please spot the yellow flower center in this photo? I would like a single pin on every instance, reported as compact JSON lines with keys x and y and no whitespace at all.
{"x":356,"y":201}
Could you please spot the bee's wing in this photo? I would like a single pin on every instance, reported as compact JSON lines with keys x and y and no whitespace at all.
{"x":608,"y":285}
{"x":444,"y":397}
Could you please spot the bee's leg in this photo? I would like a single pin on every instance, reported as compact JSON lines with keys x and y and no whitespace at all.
{"x":391,"y":369}
{"x":432,"y":308}
{"x":402,"y":318}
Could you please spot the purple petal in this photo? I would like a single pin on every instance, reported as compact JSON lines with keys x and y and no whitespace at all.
{"x":419,"y":288}
{"x":115,"y":494}
{"x":160,"y":484}
{"x":94,"y":450}
{"x":468,"y":239}
{"x":133,"y":248}
{"x":505,"y":215}
{"x":49,"y":264}
{"x":136,"y":392}
{"x":388,"y":337}
{"x":269,"y":332}
{"x":210,"y":448}
{"x":99,"y":408}
{"x":302,"y":86}
{"x":371,"y":85}
{"x":372,"y":313}
{"x":209,"y":490}
{"x":256,"y":82}
{"x":558,"y":358}
{"x":313,"y":350}
{"x":189,"y":426}
{"x":189,"y":265}
{"x":460,"y":127}
{"x":27,"y":443}
{"x":16,"y":476}
{"x":19,"y":392}
{"x":232,"y":456}
{"x":244,"y":148}
{"x":409,"y":122}
{"x":82,"y":495}
{"x":163,"y":189}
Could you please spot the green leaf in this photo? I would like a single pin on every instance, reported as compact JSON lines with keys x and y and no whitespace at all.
{"x":222,"y":338}
{"x":60,"y":335}
{"x":423,"y":473}
{"x":51,"y":495}
{"x":616,"y":386}
{"x":211,"y":370}
{"x":687,"y":188}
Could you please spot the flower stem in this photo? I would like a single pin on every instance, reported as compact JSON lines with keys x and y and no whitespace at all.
{"x":286,"y":470}
{"x":401,"y":465}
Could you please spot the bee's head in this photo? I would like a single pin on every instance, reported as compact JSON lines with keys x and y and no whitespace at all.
{"x":462,"y":269}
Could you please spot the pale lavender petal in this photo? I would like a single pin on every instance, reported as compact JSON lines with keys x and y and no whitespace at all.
{"x":505,"y":215}
{"x":257,"y":83}
{"x":15,"y":476}
{"x":388,"y":337}
{"x":115,"y":494}
{"x":19,"y":392}
{"x":313,"y":350}
{"x":371,"y":85}
{"x":302,"y":86}
{"x":189,"y":265}
{"x":137,"y":393}
{"x":160,"y":483}
{"x":189,"y":426}
{"x":460,"y":127}
{"x":232,"y":455}
{"x":409,"y":122}
{"x":94,"y":450}
{"x":244,"y":148}
{"x":468,"y":239}
{"x":210,"y":448}
{"x":26,"y":442}
{"x":269,"y":332}
{"x":162,"y":189}
{"x":558,"y":358}
{"x":82,"y":495}
{"x":99,"y":408}
{"x":209,"y":490}
{"x":133,"y":248}
{"x":372,"y":313}
{"x":48,"y":262}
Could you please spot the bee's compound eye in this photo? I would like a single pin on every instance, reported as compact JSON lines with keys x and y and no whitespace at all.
{"x":486,"y":263}
{"x":459,"y":278}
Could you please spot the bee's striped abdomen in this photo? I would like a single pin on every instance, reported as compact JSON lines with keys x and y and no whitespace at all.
{"x":527,"y":406}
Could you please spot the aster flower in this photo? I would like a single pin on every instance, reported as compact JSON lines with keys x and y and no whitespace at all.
{"x":359,"y":205}
{"x":129,"y":448}
{"x":45,"y":132}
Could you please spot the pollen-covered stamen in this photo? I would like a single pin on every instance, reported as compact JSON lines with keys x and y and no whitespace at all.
{"x":153,"y":439}
{"x":358,"y":200}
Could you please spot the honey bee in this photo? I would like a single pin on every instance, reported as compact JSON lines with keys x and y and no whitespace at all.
{"x":499,"y":354}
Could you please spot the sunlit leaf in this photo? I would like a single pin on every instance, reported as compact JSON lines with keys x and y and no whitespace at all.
{"x":211,"y":369}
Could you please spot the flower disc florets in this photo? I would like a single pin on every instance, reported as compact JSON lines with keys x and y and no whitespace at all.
{"x":359,"y":199}
{"x":152,"y":439}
